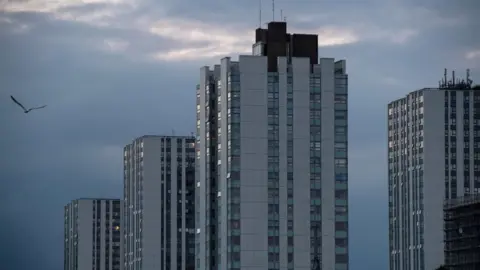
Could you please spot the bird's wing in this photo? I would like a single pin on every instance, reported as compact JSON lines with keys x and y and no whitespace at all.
{"x":36,"y":108}
{"x":18,"y":103}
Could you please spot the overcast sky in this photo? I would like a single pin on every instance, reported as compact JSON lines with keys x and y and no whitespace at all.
{"x":113,"y":70}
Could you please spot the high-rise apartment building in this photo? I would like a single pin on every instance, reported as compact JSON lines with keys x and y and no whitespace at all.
{"x":433,"y":155}
{"x":272,"y":158}
{"x":92,"y":234}
{"x":159,"y":190}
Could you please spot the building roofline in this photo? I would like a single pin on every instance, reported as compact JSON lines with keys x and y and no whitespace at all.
{"x":428,"y":89}
{"x":462,"y":201}
{"x":93,"y":198}
{"x":167,"y":136}
{"x":192,"y":136}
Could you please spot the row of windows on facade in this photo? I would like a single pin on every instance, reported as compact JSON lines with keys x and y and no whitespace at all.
{"x":406,"y":143}
{"x":397,"y":228}
{"x":188,"y":158}
{"x":165,"y":140}
{"x":165,"y":152}
{"x":466,"y":144}
{"x":414,"y":98}
{"x":273,"y":116}
{"x":406,"y":134}
{"x":405,"y":151}
{"x":466,"y":97}
{"x":406,"y":126}
{"x":403,"y":124}
{"x":406,"y":112}
{"x":401,"y":148}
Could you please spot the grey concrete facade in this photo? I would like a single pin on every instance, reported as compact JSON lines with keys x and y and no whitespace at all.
{"x":92,"y":233}
{"x":159,"y":186}
{"x":434,"y":146}
{"x":272,"y":165}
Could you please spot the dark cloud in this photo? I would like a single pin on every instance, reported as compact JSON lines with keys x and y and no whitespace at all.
{"x":465,"y":12}
{"x":15,"y":237}
{"x":462,"y":8}
{"x":99,"y":101}
{"x":70,"y":35}
{"x":247,"y":12}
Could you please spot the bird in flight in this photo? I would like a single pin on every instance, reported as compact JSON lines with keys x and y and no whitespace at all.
{"x":24,"y":109}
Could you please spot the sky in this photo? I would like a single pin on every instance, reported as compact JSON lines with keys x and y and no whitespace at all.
{"x":113,"y":70}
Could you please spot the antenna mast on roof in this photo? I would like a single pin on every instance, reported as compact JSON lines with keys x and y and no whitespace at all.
{"x":281,"y":14}
{"x":259,"y":13}
{"x":445,"y":80}
{"x":455,"y":83}
{"x":273,"y":10}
